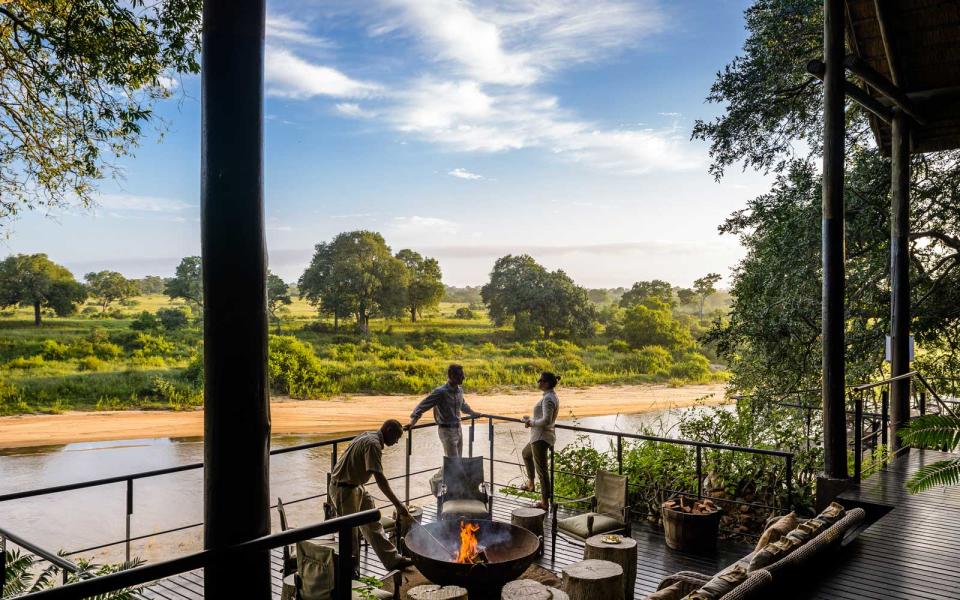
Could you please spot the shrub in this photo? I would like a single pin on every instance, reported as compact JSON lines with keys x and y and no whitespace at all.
{"x":463,"y":313}
{"x":619,"y":346}
{"x":295,"y":369}
{"x":89,"y":310}
{"x":91,"y":363}
{"x":145,"y":321}
{"x":11,"y":400}
{"x":173,"y":318}
{"x":176,"y":396}
{"x":32,"y":362}
{"x":652,"y":360}
{"x":691,"y":367}
{"x":54,"y":350}
{"x":152,"y":345}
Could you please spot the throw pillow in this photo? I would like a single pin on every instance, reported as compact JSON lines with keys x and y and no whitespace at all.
{"x":832,"y":513}
{"x":780,"y":528}
{"x":720,"y":585}
{"x":772,"y":553}
{"x":671,"y":592}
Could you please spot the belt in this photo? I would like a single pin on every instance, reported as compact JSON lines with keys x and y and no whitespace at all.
{"x":457,"y":426}
{"x":346,"y":485}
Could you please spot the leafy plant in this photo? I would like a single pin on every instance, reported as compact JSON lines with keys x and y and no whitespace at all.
{"x":23,"y":575}
{"x":934,"y":431}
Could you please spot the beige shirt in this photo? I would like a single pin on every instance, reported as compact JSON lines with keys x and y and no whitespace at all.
{"x":361,"y":458}
{"x":544,"y":417}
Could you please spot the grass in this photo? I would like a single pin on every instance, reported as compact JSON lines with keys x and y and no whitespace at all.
{"x":97,"y":360}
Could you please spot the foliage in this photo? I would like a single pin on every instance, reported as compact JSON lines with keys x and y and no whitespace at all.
{"x":643,"y":326}
{"x":535,"y":299}
{"x":934,"y":431}
{"x":24,"y":574}
{"x":278,"y":294}
{"x":187,"y":281}
{"x":151,"y":284}
{"x":466,"y":295}
{"x":424,"y":282}
{"x":110,"y":287}
{"x":294,"y":368}
{"x":84,"y":75}
{"x":704,"y":287}
{"x":654,"y":294}
{"x":686,"y":296}
{"x":35,"y":280}
{"x":464,"y":313}
{"x":173,"y":319}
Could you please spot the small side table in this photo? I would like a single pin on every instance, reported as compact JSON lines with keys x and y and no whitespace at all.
{"x":530,"y":518}
{"x":623,"y":554}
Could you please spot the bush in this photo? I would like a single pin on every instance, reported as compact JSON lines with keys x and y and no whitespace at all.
{"x":33,"y":362}
{"x":295,"y":369}
{"x":619,"y":346}
{"x":464,"y":313}
{"x":54,"y":350}
{"x":145,"y":321}
{"x":692,"y":367}
{"x":174,"y":395}
{"x":91,"y":363}
{"x":152,"y":345}
{"x":173,"y":318}
{"x":652,"y":360}
{"x":11,"y":401}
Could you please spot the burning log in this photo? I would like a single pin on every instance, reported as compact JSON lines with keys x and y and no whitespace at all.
{"x":470,"y":552}
{"x":435,"y":592}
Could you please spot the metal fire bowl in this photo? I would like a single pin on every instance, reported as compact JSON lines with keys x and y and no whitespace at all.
{"x":508,"y":557}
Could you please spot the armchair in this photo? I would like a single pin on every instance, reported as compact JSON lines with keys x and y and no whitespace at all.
{"x":463,"y":493}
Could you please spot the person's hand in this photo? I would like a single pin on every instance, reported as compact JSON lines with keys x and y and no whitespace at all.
{"x":410,"y":424}
{"x":526,"y":422}
{"x":404,"y":513}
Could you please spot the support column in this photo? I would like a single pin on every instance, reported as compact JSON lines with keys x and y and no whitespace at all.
{"x":899,"y":275}
{"x":237,"y":412}
{"x":834,"y":477}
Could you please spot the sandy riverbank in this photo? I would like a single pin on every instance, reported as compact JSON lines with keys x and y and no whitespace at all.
{"x":353,"y":413}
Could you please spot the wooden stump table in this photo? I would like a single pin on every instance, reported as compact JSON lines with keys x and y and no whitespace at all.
{"x":592,"y":579}
{"x":624,"y":554}
{"x":436,"y":592}
{"x":530,"y":518}
{"x":527,"y":589}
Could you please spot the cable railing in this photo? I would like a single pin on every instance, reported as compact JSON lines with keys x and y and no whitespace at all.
{"x":66,"y":567}
{"x":698,"y":448}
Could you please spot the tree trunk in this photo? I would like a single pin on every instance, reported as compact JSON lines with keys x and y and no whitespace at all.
{"x":623,"y":554}
{"x":531,"y":519}
{"x":336,"y":322}
{"x":413,"y":314}
{"x":702,"y":300}
{"x":591,"y":579}
{"x":36,"y":313}
{"x":435,"y":592}
{"x":525,"y":589}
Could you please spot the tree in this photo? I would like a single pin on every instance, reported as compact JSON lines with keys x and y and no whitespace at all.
{"x":523,"y":291}
{"x":645,"y":326}
{"x":278,"y":294}
{"x":355,"y":274}
{"x":110,"y":287}
{"x":187,"y":281}
{"x":704,"y":287}
{"x":424,"y":282}
{"x":152,"y":284}
{"x":172,"y":318}
{"x":686,"y":296}
{"x":653,"y":294}
{"x":84,"y":75}
{"x":35,"y":280}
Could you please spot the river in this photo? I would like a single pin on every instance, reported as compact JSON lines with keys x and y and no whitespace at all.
{"x":84,"y":518}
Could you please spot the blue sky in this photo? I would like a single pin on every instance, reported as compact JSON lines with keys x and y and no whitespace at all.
{"x":465,"y":130}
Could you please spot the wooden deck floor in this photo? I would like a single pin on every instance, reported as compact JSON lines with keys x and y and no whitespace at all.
{"x":655,"y":560}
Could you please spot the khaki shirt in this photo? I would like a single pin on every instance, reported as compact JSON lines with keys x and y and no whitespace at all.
{"x":447,"y":402}
{"x":361,"y":458}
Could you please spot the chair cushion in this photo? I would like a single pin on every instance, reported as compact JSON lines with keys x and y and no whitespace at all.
{"x":611,"y":492}
{"x":466,"y":508}
{"x":780,"y":528}
{"x":723,"y":583}
{"x":577,"y":525}
{"x":677,"y":591}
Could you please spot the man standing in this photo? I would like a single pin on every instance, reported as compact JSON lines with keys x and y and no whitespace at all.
{"x":360,"y":461}
{"x":447,"y":402}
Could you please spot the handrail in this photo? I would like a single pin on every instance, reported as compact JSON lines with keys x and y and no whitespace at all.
{"x":889,"y":380}
{"x":46,"y":555}
{"x":159,"y":570}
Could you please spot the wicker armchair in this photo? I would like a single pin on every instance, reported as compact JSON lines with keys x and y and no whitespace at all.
{"x":757,"y":582}
{"x":609,"y":512}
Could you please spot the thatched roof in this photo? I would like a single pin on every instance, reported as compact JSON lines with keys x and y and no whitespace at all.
{"x":923,"y":38}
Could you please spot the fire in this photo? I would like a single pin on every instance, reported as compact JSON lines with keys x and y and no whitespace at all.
{"x":470,"y":551}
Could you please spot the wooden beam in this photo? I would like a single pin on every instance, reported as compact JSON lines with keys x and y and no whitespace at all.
{"x":834,"y":276}
{"x":818,"y":69}
{"x":886,"y":37}
{"x":237,"y":410}
{"x":899,"y":275}
{"x":883,"y":85}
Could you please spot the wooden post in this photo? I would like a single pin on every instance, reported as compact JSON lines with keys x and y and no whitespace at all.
{"x":237,"y":411}
{"x":834,"y":411}
{"x":592,"y":579}
{"x":623,"y":553}
{"x":531,"y":519}
{"x":899,"y":275}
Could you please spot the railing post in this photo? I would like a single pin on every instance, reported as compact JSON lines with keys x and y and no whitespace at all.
{"x":809,"y":426}
{"x":473,"y":428}
{"x":884,"y":415}
{"x":619,"y":454}
{"x":129,"y":515}
{"x":789,"y":476}
{"x":406,"y":477}
{"x":553,"y":480}
{"x":333,"y":457}
{"x":699,"y":471}
{"x":344,"y":577}
{"x":923,"y":403}
{"x":490,"y":435}
{"x":3,"y":563}
{"x":857,"y":437}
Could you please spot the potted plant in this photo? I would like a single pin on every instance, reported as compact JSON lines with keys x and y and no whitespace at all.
{"x":690,"y":525}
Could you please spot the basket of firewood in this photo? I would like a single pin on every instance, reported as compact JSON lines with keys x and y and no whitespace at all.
{"x":690,"y":525}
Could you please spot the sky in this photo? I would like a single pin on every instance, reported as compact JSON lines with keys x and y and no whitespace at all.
{"x":463,"y":130}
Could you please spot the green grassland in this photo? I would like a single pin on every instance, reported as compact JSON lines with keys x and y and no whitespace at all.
{"x":98,"y":360}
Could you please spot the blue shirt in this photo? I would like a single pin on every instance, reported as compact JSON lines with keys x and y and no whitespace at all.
{"x":447,"y":402}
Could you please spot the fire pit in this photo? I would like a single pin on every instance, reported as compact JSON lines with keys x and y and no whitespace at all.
{"x":477,"y":555}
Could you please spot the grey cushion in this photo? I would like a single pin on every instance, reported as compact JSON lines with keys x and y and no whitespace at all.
{"x":466,"y":508}
{"x":577,"y":525}
{"x":388,"y":523}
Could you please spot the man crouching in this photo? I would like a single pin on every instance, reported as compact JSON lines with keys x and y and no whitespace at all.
{"x":360,"y":461}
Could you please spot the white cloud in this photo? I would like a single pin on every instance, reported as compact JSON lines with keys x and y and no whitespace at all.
{"x":352,"y":109}
{"x":133,"y":202}
{"x":422,"y":225}
{"x":289,"y":76}
{"x":282,"y":28}
{"x":464,"y":174}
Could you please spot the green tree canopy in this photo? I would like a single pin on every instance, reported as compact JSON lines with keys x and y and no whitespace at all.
{"x":653,"y":294}
{"x":84,"y":75}
{"x":705,"y":286}
{"x":278,"y":294}
{"x":645,"y":326}
{"x":187,"y":281}
{"x":522,"y":290}
{"x":152,"y":284}
{"x":109,"y":287}
{"x":34,"y":280}
{"x":686,"y":296}
{"x":356,"y":274}
{"x":424,"y":282}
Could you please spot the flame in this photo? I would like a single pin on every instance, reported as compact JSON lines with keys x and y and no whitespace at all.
{"x":469,"y":548}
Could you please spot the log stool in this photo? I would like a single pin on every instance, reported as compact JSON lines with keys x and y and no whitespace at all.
{"x":624,"y":554}
{"x":531,"y":519}
{"x":591,"y":579}
{"x":528,"y":589}
{"x":435,"y":592}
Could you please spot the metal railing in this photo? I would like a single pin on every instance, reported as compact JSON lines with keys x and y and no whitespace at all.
{"x":66,"y":567}
{"x":699,"y":447}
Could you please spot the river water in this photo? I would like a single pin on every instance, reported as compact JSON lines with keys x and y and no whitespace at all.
{"x":85,"y":518}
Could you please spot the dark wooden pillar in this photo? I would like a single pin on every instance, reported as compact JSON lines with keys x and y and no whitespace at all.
{"x":899,"y":275}
{"x":834,"y":410}
{"x":237,"y":411}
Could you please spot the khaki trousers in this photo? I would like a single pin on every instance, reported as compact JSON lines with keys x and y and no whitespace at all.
{"x":451,"y":438}
{"x":350,"y":500}
{"x":536,"y":457}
